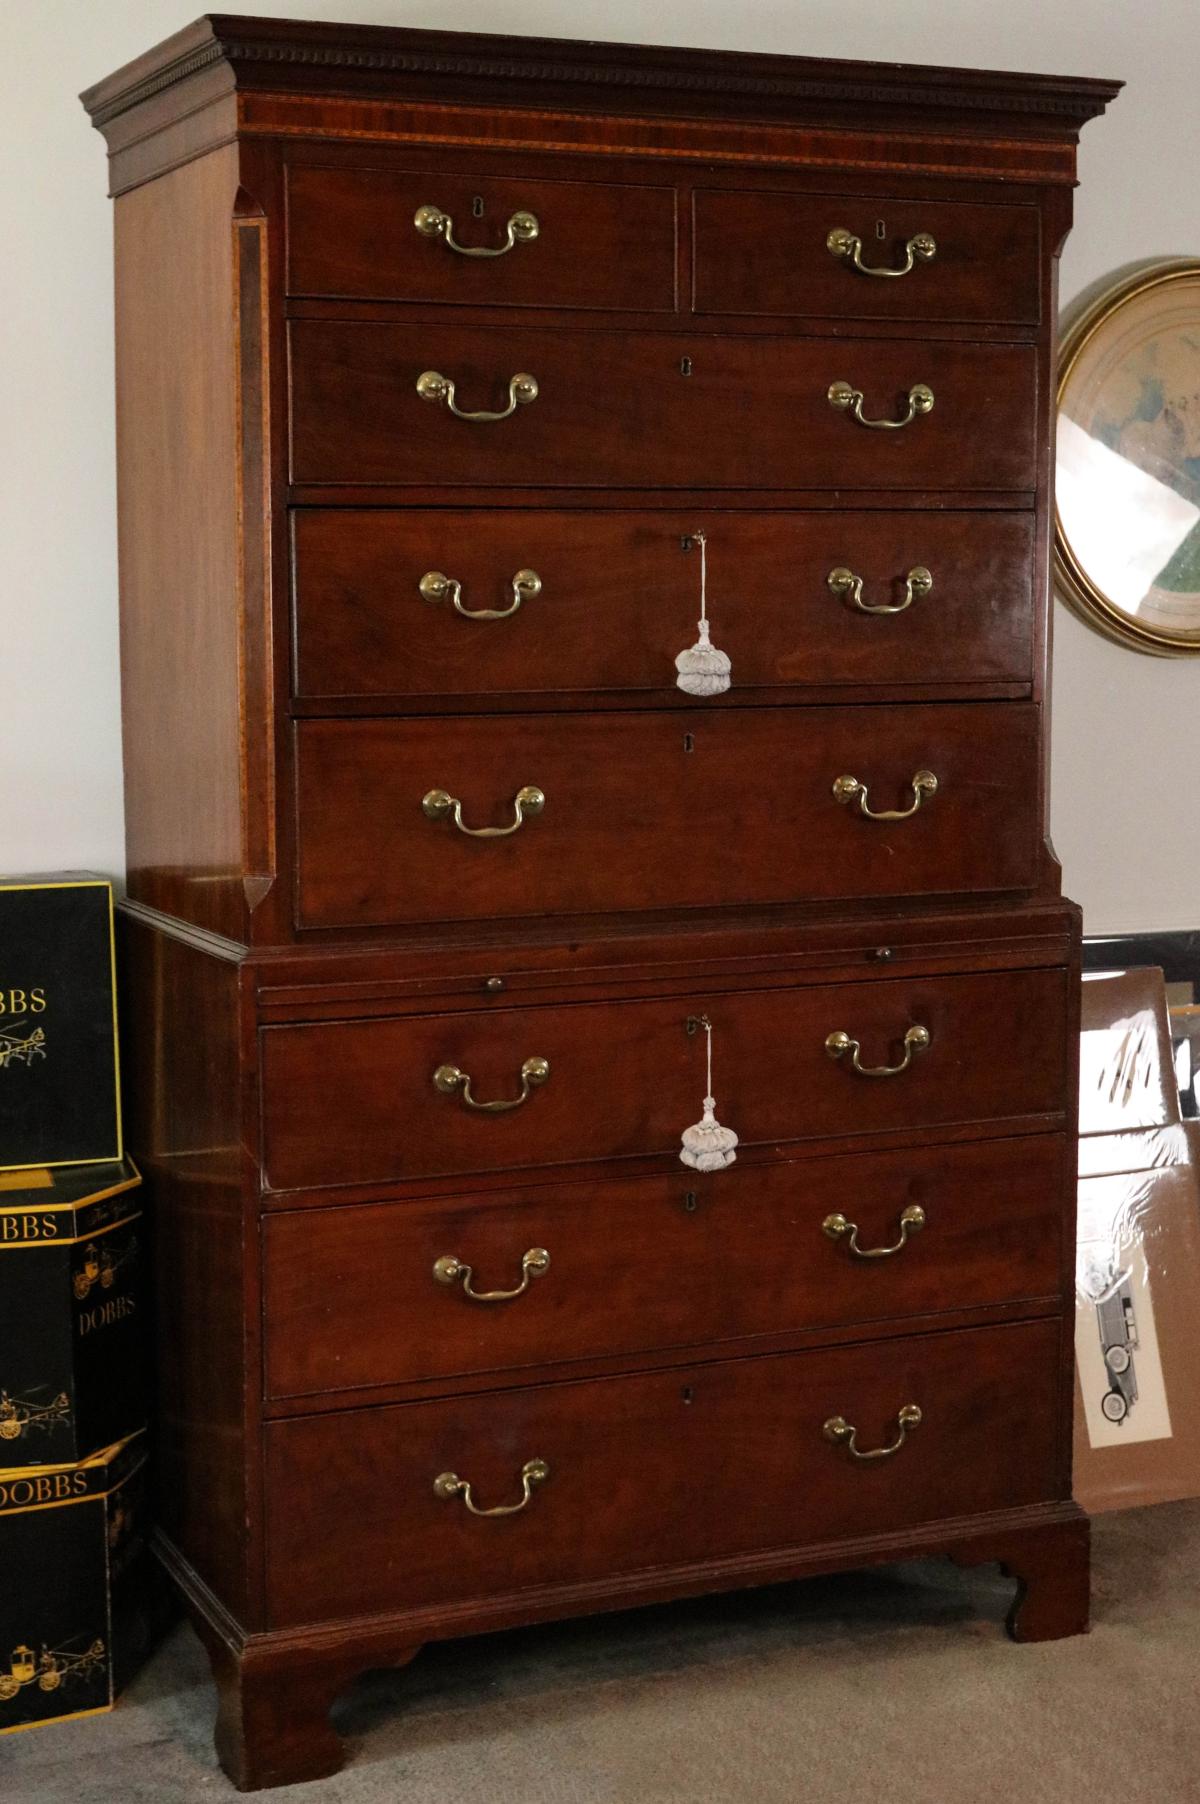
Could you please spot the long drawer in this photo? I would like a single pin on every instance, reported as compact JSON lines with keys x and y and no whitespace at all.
{"x":356,"y":1102}
{"x":722,"y":806}
{"x":387,"y":1293}
{"x":618,"y":599}
{"x":660,"y":1469}
{"x":655,"y":410}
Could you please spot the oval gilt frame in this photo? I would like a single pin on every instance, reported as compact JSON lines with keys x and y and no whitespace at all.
{"x":1079,"y":586}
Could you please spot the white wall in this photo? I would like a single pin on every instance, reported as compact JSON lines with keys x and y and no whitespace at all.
{"x":1125,"y":726}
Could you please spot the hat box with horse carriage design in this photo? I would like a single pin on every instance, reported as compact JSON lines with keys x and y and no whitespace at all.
{"x":74,"y":1601}
{"x":72,"y":1367}
{"x":59,"y":1072}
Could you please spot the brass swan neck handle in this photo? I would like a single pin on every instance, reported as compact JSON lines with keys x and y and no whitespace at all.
{"x":837,"y":1227}
{"x":848,"y":399}
{"x":916,"y":1040}
{"x":852,"y":789}
{"x":844,"y":1434}
{"x":435,"y":587}
{"x":449,"y":1269}
{"x":448,"y":1485}
{"x":433,"y":386}
{"x":450,"y":1078}
{"x":847,"y":246}
{"x":438,"y":804}
{"x":432,"y":222}
{"x":846,"y":585}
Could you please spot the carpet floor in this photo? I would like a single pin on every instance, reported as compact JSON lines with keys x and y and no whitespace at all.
{"x":895,"y":1686}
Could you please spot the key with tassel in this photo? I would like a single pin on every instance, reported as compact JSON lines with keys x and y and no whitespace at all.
{"x":703,"y":670}
{"x":707,"y":1146}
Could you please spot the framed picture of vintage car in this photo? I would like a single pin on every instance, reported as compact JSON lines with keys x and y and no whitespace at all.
{"x":1127,"y":540}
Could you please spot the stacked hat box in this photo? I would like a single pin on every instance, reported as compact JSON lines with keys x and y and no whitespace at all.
{"x":73,"y":1606}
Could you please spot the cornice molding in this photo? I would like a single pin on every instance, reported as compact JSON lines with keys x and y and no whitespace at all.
{"x":366,"y":56}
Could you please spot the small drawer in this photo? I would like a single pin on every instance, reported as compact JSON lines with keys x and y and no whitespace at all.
{"x":705,"y":809}
{"x":355,"y":1102}
{"x":655,"y":410}
{"x":614,"y":598}
{"x":390,"y":235}
{"x":388,"y":1293}
{"x":823,"y":256}
{"x":657,"y":1470}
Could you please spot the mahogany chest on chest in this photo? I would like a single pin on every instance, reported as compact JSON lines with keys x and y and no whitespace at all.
{"x":440,"y":361}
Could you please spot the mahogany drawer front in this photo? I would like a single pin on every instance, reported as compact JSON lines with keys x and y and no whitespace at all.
{"x":767,"y":253}
{"x":620,"y":411}
{"x":658,"y":1469}
{"x":721,"y":807}
{"x":356,"y":1297}
{"x":599,"y":245}
{"x":619,"y":600}
{"x":354,"y":1102}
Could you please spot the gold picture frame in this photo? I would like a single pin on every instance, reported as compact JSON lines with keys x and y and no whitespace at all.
{"x":1127,"y":509}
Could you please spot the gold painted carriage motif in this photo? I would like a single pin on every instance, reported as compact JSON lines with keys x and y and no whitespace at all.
{"x":48,"y":1669}
{"x":100,"y":1267}
{"x":15,"y":1050}
{"x":19,"y":1413}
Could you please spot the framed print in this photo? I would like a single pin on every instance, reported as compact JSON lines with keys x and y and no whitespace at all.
{"x":1127,"y":531}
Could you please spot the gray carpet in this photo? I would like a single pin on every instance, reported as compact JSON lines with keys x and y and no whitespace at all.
{"x":892,"y":1687}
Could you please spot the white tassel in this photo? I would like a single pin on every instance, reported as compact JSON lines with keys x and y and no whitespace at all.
{"x":703,"y":670}
{"x":708,"y":1146}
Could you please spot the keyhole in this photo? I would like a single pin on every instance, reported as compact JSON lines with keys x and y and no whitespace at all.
{"x":880,"y":229}
{"x":687,"y":1393}
{"x":685,"y":366}
{"x":689,"y":1202}
{"x":477,"y":207}
{"x":689,"y":742}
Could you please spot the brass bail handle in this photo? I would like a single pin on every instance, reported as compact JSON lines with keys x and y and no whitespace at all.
{"x":451,"y":1270}
{"x":431,"y":222}
{"x":921,"y":248}
{"x":846,"y":585}
{"x":844,"y":1434}
{"x":435,"y":586}
{"x":916,"y":1040}
{"x":534,"y":1073}
{"x":448,"y":1485}
{"x":836,"y":1226}
{"x":433,"y":386}
{"x":851,"y":789}
{"x":848,"y":399}
{"x":437,"y":804}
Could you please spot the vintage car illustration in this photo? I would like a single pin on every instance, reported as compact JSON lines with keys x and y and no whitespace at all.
{"x":49,"y":1668}
{"x":19,"y":1413}
{"x":1117,"y":1324}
